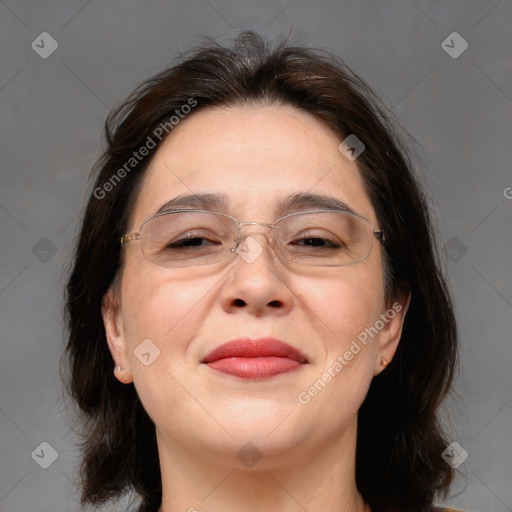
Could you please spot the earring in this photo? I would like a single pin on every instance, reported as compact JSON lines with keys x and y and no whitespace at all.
{"x":117,"y":369}
{"x":385,"y":362}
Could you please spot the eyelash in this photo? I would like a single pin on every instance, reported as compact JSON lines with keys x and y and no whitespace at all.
{"x":181,"y":241}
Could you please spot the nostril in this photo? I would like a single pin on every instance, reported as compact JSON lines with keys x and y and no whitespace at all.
{"x":275,"y":304}
{"x":239,"y":303}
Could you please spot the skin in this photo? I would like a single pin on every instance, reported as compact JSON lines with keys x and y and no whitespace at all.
{"x":254,"y":155}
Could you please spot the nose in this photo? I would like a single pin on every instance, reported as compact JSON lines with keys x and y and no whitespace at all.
{"x":258,"y":282}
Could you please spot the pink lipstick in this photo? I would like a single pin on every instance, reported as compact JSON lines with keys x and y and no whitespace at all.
{"x":253,"y":359}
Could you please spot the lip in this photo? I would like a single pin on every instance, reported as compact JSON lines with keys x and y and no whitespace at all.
{"x":259,"y":358}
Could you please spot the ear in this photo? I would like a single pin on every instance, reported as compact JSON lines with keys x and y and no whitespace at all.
{"x":111,"y":312}
{"x":389,"y":337}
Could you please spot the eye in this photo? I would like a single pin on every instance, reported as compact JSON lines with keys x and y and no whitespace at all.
{"x":193,"y":241}
{"x":185,"y":240}
{"x":315,"y":242}
{"x":321,"y":241}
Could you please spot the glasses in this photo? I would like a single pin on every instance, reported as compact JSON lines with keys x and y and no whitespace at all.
{"x":318,"y":238}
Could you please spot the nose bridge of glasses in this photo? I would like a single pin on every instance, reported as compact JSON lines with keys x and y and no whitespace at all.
{"x":241,"y":242}
{"x":265,"y":224}
{"x":251,"y":232}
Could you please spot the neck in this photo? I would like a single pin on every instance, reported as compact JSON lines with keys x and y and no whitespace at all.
{"x":305,"y":477}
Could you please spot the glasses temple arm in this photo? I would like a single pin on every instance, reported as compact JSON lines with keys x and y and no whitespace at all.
{"x":126,"y":239}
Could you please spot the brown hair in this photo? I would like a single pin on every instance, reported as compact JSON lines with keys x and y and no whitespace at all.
{"x":400,"y":440}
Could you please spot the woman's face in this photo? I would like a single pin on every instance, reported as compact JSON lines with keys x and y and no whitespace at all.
{"x":255,"y":157}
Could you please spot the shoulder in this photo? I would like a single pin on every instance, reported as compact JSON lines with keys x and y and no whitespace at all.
{"x":443,"y":509}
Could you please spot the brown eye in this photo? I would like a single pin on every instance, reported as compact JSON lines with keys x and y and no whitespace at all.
{"x":193,"y":241}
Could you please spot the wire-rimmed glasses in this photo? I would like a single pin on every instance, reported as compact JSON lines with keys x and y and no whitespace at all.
{"x":318,"y":238}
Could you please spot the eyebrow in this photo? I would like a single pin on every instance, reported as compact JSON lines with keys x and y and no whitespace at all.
{"x":219,"y":203}
{"x":212,"y":202}
{"x":307,"y":201}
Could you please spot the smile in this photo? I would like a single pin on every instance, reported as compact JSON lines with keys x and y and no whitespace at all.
{"x":255,"y":359}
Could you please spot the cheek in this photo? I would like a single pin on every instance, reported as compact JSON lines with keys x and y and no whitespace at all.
{"x":166,"y":309}
{"x":345,"y":307}
{"x":169,"y":312}
{"x":345,"y":303}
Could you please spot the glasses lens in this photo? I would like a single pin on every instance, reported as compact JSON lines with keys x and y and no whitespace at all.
{"x":324,"y":238}
{"x":183,"y":239}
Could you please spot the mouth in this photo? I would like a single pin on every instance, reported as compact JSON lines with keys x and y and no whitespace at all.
{"x":255,"y":359}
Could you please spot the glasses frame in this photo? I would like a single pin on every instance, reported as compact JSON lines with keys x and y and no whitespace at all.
{"x":136,"y":235}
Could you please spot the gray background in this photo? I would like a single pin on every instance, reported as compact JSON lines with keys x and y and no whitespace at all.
{"x":52,"y":112}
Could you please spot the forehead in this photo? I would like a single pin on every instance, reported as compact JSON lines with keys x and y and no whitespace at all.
{"x":256,"y":157}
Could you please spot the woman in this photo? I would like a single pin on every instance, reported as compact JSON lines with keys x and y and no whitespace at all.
{"x":256,"y":266}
